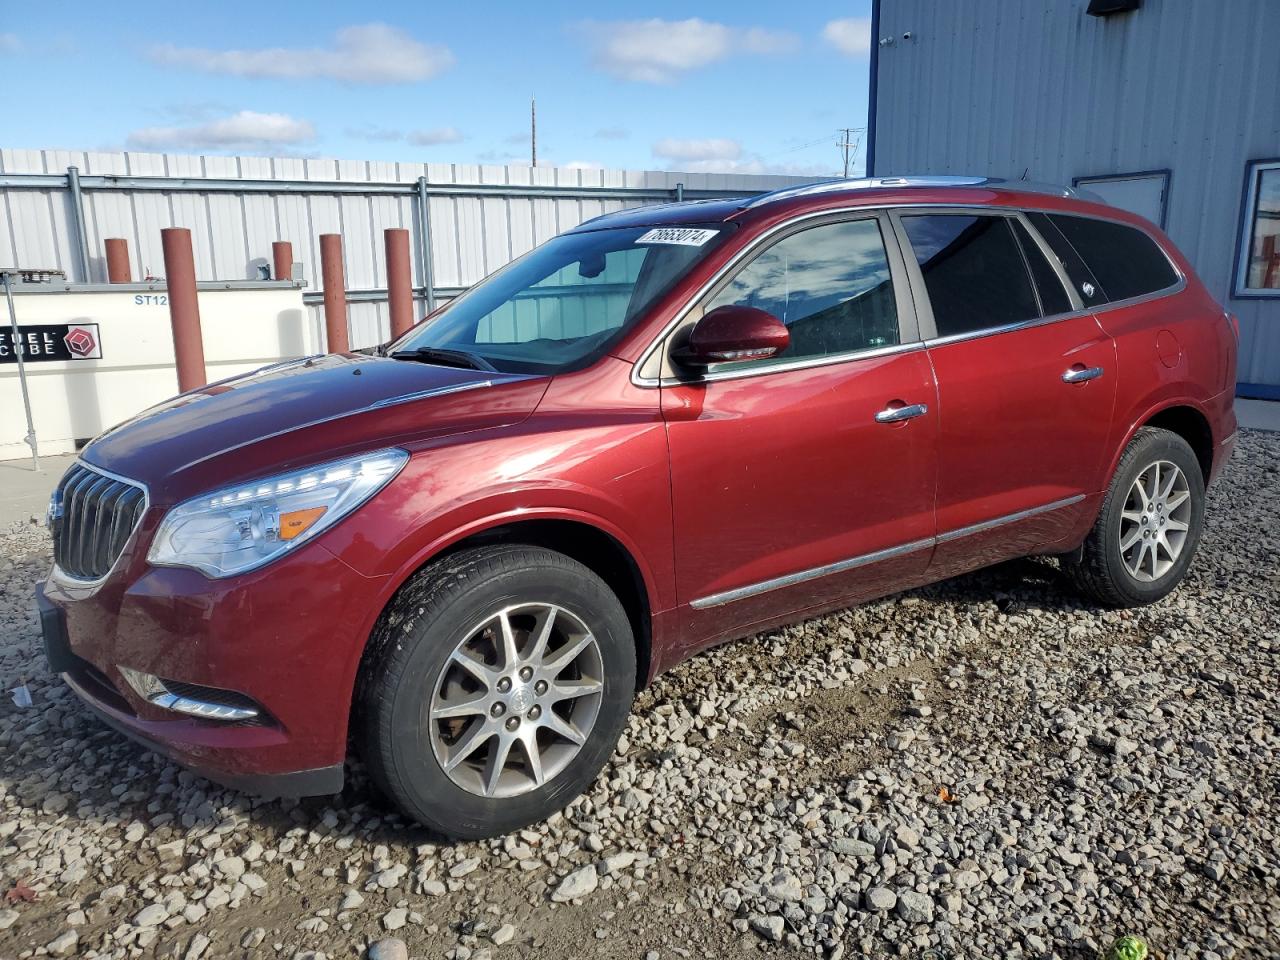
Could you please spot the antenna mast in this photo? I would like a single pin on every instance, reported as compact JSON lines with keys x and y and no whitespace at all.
{"x":533,"y":130}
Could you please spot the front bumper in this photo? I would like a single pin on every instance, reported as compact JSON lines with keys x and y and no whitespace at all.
{"x":288,"y":636}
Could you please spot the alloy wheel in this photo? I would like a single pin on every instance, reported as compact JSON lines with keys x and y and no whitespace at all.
{"x":516,"y":700}
{"x":1155,"y":521}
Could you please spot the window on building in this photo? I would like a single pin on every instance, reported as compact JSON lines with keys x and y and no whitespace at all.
{"x":1259,"y":269}
{"x":1126,"y":260}
{"x":1146,"y":194}
{"x":973,"y":270}
{"x":1085,"y":283}
{"x":829,"y":284}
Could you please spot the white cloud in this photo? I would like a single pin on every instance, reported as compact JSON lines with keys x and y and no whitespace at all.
{"x":373,"y":53}
{"x":420,"y":138}
{"x":9,"y":43}
{"x":659,"y":51}
{"x":246,"y":130}
{"x":722,"y":155}
{"x":435,"y":136}
{"x":711,"y":149}
{"x":851,"y":36}
{"x":582,"y":165}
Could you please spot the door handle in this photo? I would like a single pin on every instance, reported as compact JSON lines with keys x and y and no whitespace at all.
{"x":1078,"y":374}
{"x":898,"y":414}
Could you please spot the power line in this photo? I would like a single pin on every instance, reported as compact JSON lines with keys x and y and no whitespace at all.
{"x":850,"y":140}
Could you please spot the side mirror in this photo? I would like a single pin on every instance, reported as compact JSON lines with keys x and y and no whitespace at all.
{"x":733,"y":333}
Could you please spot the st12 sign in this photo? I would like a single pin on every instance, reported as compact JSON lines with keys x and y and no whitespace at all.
{"x":48,"y":342}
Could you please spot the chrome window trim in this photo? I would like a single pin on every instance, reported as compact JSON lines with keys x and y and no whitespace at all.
{"x":63,"y":578}
{"x":694,"y":301}
{"x":726,"y":371}
{"x":889,"y":553}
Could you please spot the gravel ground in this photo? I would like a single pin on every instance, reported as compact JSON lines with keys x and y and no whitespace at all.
{"x":987,"y":767}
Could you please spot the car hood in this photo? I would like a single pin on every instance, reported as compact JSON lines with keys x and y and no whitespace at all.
{"x":301,"y":412}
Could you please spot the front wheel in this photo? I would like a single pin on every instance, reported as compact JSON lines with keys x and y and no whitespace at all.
{"x":499,"y":683}
{"x":1149,"y":526}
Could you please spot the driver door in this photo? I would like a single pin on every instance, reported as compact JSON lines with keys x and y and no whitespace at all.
{"x":799,"y":482}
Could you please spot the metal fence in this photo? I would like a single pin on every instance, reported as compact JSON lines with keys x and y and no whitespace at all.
{"x":58,"y":208}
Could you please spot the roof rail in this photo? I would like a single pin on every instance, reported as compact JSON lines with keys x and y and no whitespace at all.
{"x":873,"y":183}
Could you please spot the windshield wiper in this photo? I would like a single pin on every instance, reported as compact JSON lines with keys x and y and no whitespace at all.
{"x":445,"y":358}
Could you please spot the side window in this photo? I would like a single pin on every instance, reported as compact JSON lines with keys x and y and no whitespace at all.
{"x":1053,"y":296}
{"x":1086,"y":284}
{"x":973,"y":271}
{"x":1125,"y":260}
{"x":829,"y":284}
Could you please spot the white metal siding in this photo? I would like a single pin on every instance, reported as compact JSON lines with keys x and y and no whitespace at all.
{"x":471,"y":236}
{"x":1007,"y":87}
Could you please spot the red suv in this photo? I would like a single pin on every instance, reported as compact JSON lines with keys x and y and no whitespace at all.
{"x":671,"y":426}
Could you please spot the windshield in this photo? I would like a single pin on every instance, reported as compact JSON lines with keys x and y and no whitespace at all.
{"x":562,"y":304}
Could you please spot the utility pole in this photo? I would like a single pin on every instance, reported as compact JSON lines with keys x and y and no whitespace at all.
{"x":848,"y":144}
{"x":533,"y":130}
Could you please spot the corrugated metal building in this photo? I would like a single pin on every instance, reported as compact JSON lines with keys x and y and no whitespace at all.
{"x":1170,"y":108}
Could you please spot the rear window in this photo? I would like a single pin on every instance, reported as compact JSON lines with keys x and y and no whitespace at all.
{"x":1126,"y":261}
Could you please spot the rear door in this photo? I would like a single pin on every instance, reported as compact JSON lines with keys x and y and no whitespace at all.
{"x":1026,"y":383}
{"x":806,"y":480}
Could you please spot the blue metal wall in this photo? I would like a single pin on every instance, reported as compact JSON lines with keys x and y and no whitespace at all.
{"x":1007,"y":87}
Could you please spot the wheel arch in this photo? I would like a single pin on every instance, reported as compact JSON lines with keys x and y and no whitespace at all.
{"x":584,"y":539}
{"x":1192,"y":426}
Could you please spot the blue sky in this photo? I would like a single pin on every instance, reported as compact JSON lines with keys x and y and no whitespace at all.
{"x":750,"y":87}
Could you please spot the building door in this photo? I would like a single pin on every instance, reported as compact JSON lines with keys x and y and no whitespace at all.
{"x":1146,"y":194}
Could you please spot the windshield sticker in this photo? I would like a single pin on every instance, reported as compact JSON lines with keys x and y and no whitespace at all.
{"x":684,"y":236}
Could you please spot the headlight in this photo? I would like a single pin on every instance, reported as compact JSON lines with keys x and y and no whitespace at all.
{"x":239,"y":528}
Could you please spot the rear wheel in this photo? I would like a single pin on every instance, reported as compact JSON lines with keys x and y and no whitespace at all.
{"x":1149,"y":526}
{"x":500,"y":682}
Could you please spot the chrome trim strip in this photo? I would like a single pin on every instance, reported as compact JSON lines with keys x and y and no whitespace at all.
{"x":423,"y":394}
{"x":65,"y":579}
{"x":200,"y":708}
{"x":791,"y":579}
{"x":728,"y":373}
{"x":840,"y":566}
{"x":991,"y":524}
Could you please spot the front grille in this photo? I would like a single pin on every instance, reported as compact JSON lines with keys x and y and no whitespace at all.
{"x":93,"y":516}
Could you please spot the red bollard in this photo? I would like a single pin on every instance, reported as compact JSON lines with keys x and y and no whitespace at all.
{"x":282,"y":258}
{"x":335,"y":292}
{"x":184,"y":307}
{"x":118,"y":269}
{"x":399,"y":281}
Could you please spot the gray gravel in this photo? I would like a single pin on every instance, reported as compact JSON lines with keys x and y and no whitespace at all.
{"x":988,"y":767}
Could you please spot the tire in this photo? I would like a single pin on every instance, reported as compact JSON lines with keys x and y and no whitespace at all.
{"x":412,"y":676}
{"x":1103,"y":570}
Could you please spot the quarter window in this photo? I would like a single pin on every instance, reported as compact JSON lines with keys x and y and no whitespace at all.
{"x":1260,"y":246}
{"x":1086,"y":284}
{"x":973,"y":270}
{"x":1126,"y":261}
{"x":831,"y":285}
